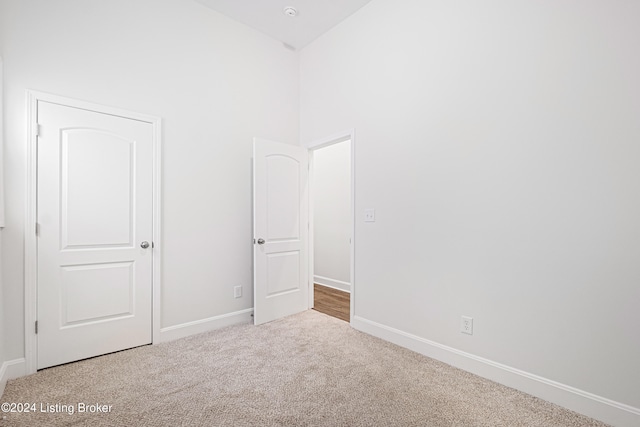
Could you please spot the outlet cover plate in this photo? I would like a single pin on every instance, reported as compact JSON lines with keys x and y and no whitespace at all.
{"x":466,"y":325}
{"x":237,"y":291}
{"x":369,"y":215}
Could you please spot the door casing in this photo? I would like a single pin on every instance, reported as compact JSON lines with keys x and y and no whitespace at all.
{"x":348,"y":134}
{"x":30,"y":250}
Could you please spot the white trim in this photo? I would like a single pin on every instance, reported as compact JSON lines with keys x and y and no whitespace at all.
{"x":199,"y":326}
{"x":332,"y":283}
{"x":598,"y":407}
{"x":157,"y":229}
{"x":30,"y":242}
{"x":346,"y":135}
{"x":9,"y":370}
{"x":337,"y":137}
{"x":312,"y":233}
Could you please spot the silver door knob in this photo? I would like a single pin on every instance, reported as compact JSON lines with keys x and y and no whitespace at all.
{"x":261,"y":241}
{"x":144,"y":245}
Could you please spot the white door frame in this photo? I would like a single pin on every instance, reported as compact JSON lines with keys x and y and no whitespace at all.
{"x":349,"y":134}
{"x":30,"y":241}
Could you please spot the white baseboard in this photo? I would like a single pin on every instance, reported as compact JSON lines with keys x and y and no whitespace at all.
{"x":11,"y":369}
{"x":332,"y":283}
{"x":199,"y":326}
{"x":606,"y":410}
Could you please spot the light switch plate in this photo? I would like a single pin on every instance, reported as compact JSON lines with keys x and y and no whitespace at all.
{"x":369,"y":215}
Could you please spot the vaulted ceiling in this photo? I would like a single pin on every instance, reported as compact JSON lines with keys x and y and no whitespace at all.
{"x":314,"y":17}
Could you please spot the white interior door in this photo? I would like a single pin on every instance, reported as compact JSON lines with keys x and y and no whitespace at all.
{"x":281,"y":230}
{"x":94,"y":215}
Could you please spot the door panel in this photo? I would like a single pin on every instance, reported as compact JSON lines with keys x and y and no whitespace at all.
{"x":280,"y":219}
{"x":94,"y":209}
{"x":105,"y":160}
{"x":283,"y":206}
{"x":95,"y":292}
{"x":283,"y":273}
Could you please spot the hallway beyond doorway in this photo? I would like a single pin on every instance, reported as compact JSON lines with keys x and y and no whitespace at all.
{"x":332,"y":302}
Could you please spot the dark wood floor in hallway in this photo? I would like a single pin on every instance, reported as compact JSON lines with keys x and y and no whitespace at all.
{"x":331,"y":301}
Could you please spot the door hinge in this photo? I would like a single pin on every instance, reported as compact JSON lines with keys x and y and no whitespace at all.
{"x":39,"y":130}
{"x":36,"y":326}
{"x":37,"y":229}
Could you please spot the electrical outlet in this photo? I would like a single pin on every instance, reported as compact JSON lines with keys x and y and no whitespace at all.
{"x":466,"y":325}
{"x":369,"y":215}
{"x":237,"y":291}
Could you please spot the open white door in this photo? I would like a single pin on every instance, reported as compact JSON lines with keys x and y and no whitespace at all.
{"x":281,"y":230}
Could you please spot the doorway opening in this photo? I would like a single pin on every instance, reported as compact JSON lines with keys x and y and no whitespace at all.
{"x":331,"y":230}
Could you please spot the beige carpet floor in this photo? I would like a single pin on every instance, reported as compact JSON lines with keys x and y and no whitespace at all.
{"x":305,"y":370}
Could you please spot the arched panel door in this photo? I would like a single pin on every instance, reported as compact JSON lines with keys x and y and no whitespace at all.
{"x":95,"y":226}
{"x":281,"y":230}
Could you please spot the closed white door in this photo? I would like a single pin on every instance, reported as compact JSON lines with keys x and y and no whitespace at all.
{"x":95,"y":255}
{"x":281,"y":230}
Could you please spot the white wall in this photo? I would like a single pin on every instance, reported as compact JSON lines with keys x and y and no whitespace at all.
{"x":215,"y":83}
{"x":332,"y":215}
{"x":498,"y":143}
